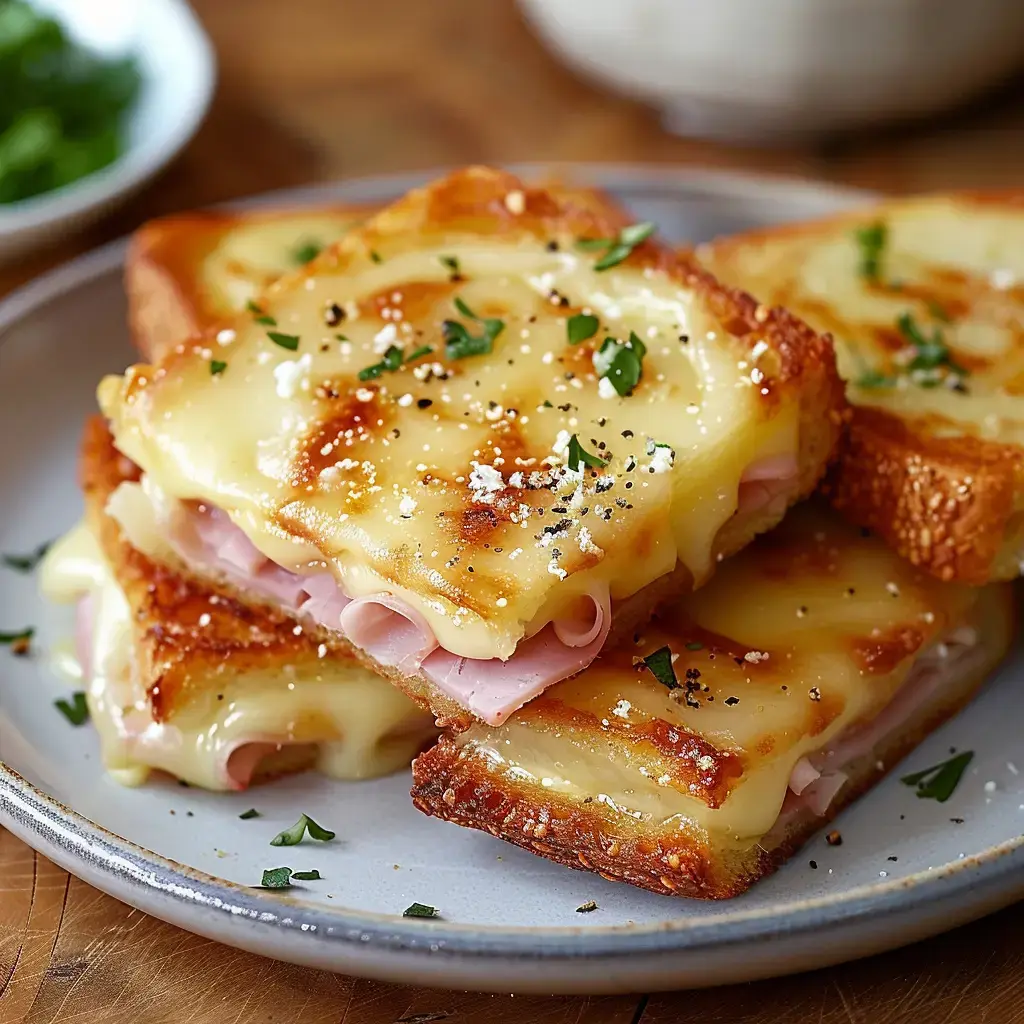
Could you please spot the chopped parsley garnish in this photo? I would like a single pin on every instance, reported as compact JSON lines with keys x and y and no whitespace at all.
{"x":581,"y":327}
{"x":288,"y":341}
{"x":939,"y":781}
{"x":695,"y":645}
{"x":619,"y":248}
{"x":451,"y":264}
{"x":930,"y":353}
{"x":577,"y":456}
{"x":622,"y":364}
{"x":19,"y":636}
{"x":76,"y":711}
{"x":251,"y":813}
{"x":393,"y":359}
{"x":26,"y":563}
{"x":276,"y":878}
{"x":376,"y":256}
{"x":420,"y":910}
{"x":659,"y":664}
{"x":875,"y":379}
{"x":307,"y":876}
{"x":586,"y":908}
{"x":872,"y":241}
{"x":459,"y":343}
{"x":217,"y":367}
{"x":939,"y":311}
{"x":261,"y":317}
{"x":307,"y":251}
{"x":293,"y":836}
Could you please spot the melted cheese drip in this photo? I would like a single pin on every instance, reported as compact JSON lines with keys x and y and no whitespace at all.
{"x":362,"y":726}
{"x":808,"y":619}
{"x":390,"y":506}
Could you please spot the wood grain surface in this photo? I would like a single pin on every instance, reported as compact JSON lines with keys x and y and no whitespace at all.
{"x":324,"y":89}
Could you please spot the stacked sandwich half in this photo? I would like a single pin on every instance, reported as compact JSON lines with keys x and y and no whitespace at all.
{"x":497,"y":462}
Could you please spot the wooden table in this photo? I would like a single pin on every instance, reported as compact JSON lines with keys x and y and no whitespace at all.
{"x":319,"y":89}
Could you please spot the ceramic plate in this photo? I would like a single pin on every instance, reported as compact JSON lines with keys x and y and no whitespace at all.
{"x":907,"y":868}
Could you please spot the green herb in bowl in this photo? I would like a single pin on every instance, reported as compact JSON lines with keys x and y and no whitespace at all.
{"x":62,"y":107}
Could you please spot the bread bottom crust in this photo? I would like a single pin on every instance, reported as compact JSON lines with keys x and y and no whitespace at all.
{"x":464,"y":787}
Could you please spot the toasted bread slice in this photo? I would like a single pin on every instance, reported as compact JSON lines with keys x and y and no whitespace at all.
{"x":187,"y":273}
{"x":925,"y":300}
{"x":809,"y":666}
{"x":203,"y":687}
{"x":429,"y":414}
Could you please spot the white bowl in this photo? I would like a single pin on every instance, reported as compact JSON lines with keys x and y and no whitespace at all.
{"x":178,"y":69}
{"x":764,"y":69}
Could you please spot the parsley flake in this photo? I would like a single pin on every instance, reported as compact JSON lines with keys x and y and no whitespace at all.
{"x":872,"y":241}
{"x":939,"y":781}
{"x":581,"y":327}
{"x":26,"y":563}
{"x":659,"y":664}
{"x":577,"y":456}
{"x":217,"y":367}
{"x":307,"y":251}
{"x":376,"y":256}
{"x":394,"y":357}
{"x":276,"y":878}
{"x":621,"y":364}
{"x":451,"y":264}
{"x":695,"y":645}
{"x":931,"y":353}
{"x":251,"y":813}
{"x":459,"y":343}
{"x":76,"y":711}
{"x":288,"y":341}
{"x":307,"y":876}
{"x":259,"y":314}
{"x":19,"y":636}
{"x":619,"y":248}
{"x":293,"y":836}
{"x":420,"y":910}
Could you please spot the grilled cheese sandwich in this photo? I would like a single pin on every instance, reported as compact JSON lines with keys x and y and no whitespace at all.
{"x":697,"y":756}
{"x":188,"y":682}
{"x":459,"y":438}
{"x":925,"y":300}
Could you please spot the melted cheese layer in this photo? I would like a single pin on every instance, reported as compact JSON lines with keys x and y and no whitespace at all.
{"x":406,"y":484}
{"x":360,"y":726}
{"x":810,"y":633}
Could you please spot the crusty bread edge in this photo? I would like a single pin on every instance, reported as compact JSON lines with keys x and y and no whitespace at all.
{"x":461,"y":787}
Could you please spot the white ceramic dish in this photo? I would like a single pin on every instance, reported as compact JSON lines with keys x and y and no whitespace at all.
{"x":761,"y":71}
{"x":178,"y":72}
{"x":509,"y":919}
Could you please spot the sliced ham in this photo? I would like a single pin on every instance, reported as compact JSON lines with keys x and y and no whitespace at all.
{"x":389,"y":630}
{"x":493,"y":689}
{"x":767,"y":483}
{"x":816,"y":780}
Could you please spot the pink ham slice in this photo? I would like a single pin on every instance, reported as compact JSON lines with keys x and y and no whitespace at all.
{"x":767,"y":484}
{"x":397,"y":636}
{"x":389,"y":629}
{"x":816,"y":780}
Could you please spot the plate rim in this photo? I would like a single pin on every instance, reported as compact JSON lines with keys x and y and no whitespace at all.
{"x":69,"y":837}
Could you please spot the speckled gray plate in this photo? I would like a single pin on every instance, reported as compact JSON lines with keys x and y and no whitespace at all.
{"x":904,"y":871}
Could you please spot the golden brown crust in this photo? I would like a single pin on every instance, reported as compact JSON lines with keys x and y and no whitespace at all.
{"x":945,"y":498}
{"x":946,"y":504}
{"x":795,"y":365}
{"x":185,"y":634}
{"x":170,"y":297}
{"x":464,"y":787}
